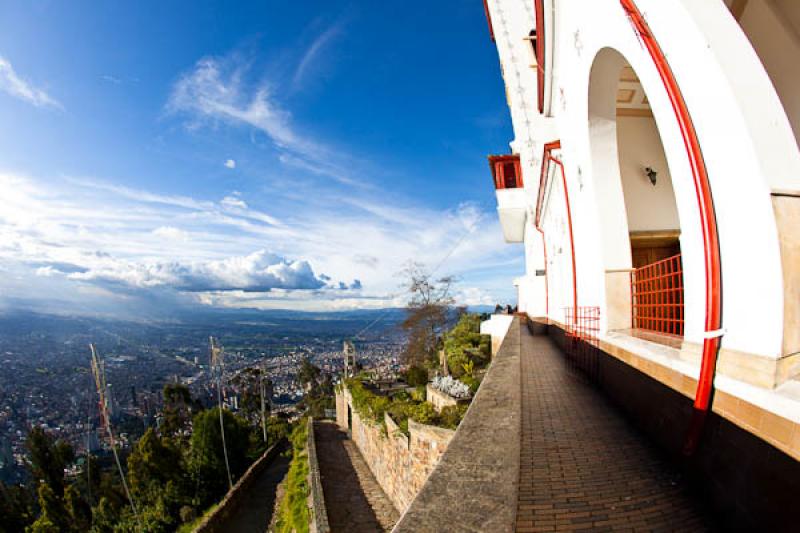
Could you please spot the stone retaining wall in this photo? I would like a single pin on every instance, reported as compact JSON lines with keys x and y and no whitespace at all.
{"x":440,"y":400}
{"x":319,"y":514}
{"x":214,"y":522}
{"x":401,"y":464}
{"x":474,"y":486}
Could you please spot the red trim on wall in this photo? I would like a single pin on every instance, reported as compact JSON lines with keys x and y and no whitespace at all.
{"x":540,"y":62}
{"x":488,"y":19}
{"x":705,"y":202}
{"x":547,"y":158}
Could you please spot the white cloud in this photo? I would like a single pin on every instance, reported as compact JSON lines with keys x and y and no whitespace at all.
{"x":233,"y":201}
{"x":313,"y":51}
{"x":19,"y":88}
{"x":230,"y":163}
{"x":47,"y":271}
{"x":214,"y":91}
{"x":139,"y":240}
{"x":171,"y":233}
{"x":260,"y":271}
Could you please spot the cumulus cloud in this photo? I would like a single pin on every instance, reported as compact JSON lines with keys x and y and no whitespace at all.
{"x":260,"y":271}
{"x":19,"y":88}
{"x":230,"y":163}
{"x":171,"y":233}
{"x":136,"y":242}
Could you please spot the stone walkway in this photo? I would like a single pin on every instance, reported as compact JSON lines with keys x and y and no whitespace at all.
{"x":582,"y":466}
{"x":254,"y":512}
{"x":353,"y":498}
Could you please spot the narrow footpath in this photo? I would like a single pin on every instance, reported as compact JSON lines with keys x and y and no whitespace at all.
{"x":582,"y":465}
{"x":254,"y":512}
{"x":354,"y":500}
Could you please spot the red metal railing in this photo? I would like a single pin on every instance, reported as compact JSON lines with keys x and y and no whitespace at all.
{"x":657,"y":296}
{"x":581,"y":343}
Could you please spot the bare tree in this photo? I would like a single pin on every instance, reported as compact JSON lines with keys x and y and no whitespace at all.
{"x":427,"y":312}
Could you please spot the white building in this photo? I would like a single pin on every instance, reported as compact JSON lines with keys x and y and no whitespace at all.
{"x":654,"y":181}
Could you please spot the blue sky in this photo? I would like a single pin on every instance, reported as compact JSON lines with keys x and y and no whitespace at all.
{"x":267,"y":154}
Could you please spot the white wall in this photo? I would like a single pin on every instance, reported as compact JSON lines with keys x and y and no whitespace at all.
{"x":773,"y":28}
{"x":746,"y":139}
{"x":649,"y":207}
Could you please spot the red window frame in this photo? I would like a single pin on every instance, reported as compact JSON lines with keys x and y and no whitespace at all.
{"x":499,"y":164}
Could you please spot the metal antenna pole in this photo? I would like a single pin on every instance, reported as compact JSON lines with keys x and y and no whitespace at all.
{"x":217,"y":360}
{"x":98,"y":369}
{"x":263,"y":414}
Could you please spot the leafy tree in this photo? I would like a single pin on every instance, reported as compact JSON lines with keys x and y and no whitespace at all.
{"x":466,"y":349}
{"x":48,"y":459}
{"x":53,"y":517}
{"x":178,"y":409}
{"x":426,"y":314}
{"x":207,"y":461}
{"x":157,"y":480}
{"x":80,"y":512}
{"x":16,"y":508}
{"x":308,"y":374}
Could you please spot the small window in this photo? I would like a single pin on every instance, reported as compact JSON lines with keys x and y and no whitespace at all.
{"x":510,"y":175}
{"x":531,"y":38}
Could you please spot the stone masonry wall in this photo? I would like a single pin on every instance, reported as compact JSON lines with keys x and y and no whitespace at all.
{"x":401,"y":464}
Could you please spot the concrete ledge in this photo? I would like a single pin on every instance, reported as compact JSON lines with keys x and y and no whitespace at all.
{"x":319,"y":513}
{"x":474,"y":487}
{"x":214,"y":522}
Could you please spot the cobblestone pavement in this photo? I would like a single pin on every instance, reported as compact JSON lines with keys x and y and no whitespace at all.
{"x":254,"y":512}
{"x":353,"y":498}
{"x":582,"y":466}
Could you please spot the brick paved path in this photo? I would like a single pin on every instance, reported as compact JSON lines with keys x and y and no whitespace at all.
{"x":354,"y":500}
{"x":582,"y":466}
{"x":254,"y":512}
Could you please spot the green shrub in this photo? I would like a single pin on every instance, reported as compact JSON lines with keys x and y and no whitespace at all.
{"x":465,"y":348}
{"x":416,"y":375}
{"x":451,"y":416}
{"x":293,"y":515}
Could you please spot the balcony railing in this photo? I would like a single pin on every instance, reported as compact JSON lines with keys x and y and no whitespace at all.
{"x":581,"y":341}
{"x":657,"y":296}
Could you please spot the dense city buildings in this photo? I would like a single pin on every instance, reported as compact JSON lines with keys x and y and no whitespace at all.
{"x":47,"y":381}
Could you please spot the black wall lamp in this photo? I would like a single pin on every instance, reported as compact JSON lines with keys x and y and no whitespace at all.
{"x":652,"y":175}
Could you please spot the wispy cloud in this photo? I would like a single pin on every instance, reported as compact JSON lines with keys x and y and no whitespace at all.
{"x":19,"y":88}
{"x":320,"y":255}
{"x":215,"y":91}
{"x":312,"y":53}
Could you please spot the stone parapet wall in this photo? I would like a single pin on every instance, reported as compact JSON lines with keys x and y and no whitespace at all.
{"x":400,"y":463}
{"x":474,"y":486}
{"x":215,"y":521}
{"x":319,"y":514}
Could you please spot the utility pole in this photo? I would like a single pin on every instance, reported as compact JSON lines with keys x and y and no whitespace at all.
{"x":263,"y":411}
{"x":217,"y":366}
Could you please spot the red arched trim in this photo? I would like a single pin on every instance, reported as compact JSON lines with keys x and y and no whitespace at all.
{"x":547,"y":158}
{"x":488,"y":19}
{"x":705,"y":202}
{"x":540,"y":63}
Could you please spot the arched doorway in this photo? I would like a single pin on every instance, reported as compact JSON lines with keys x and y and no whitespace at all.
{"x":640,"y":226}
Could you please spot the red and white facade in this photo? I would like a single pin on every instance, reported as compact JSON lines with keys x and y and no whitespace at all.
{"x":658,"y":180}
